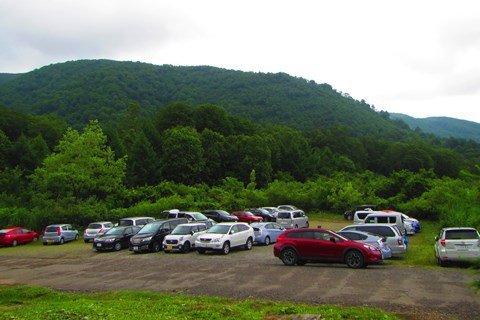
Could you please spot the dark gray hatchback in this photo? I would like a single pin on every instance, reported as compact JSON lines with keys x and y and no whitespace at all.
{"x":150,"y":237}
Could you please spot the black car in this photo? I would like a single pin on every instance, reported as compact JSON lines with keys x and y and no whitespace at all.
{"x":348,"y":215}
{"x":220,"y":216}
{"x":115,"y":239}
{"x":150,"y":237}
{"x":267,"y":216}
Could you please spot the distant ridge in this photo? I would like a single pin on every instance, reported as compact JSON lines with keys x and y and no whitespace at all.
{"x":444,"y":127}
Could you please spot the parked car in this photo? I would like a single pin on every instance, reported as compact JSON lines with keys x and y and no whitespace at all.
{"x":150,"y":237}
{"x":17,"y":235}
{"x":59,"y":233}
{"x":266,"y":232}
{"x":115,"y":238}
{"x":246,"y":216}
{"x":272,"y":210}
{"x":220,"y":216}
{"x":259,"y":212}
{"x":457,"y":244}
{"x":183,"y":237}
{"x":395,"y":239}
{"x":95,"y":229}
{"x":135,"y":221}
{"x":293,"y":219}
{"x":286,"y":207}
{"x":191,"y":216}
{"x":300,"y":246}
{"x":394,"y":218}
{"x":224,"y":236}
{"x":348,"y":215}
{"x":365,"y":237}
{"x":415,"y":223}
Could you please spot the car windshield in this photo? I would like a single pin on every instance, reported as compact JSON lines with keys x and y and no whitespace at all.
{"x":114,"y":231}
{"x":199,"y":216}
{"x":283,"y":215}
{"x":223,"y":213}
{"x":94,"y":226}
{"x":248,"y":213}
{"x":150,"y":228}
{"x":182,"y":230}
{"x":219,"y":229}
{"x":51,"y":229}
{"x":461,"y":234}
{"x":125,"y":223}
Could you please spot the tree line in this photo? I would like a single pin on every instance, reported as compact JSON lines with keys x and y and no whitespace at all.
{"x":202,"y":157}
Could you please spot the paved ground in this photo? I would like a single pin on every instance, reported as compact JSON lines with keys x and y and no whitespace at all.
{"x":412,"y":293}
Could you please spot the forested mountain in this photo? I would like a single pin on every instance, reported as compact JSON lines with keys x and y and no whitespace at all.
{"x":442,"y":126}
{"x":101,"y":89}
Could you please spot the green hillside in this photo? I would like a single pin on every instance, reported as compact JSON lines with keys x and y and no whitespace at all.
{"x":444,"y":127}
{"x":101,"y":89}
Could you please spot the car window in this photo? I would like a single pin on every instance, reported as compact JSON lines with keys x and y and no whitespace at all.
{"x":64,"y":228}
{"x":382,"y":220}
{"x":283,"y":215}
{"x":51,"y":229}
{"x":461,"y":234}
{"x":300,"y":235}
{"x":319,"y":235}
{"x":94,"y":226}
{"x":125,"y":222}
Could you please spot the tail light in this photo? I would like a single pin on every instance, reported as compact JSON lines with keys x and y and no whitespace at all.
{"x":59,"y":233}
{"x":85,"y":232}
{"x":101,"y":230}
{"x":43,"y":233}
{"x":400,"y":241}
{"x":442,"y":242}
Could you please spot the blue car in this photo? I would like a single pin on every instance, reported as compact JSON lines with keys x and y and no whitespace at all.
{"x":370,"y":238}
{"x":267,"y":232}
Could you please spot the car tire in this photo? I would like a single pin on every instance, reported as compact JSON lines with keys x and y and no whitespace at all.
{"x":14,"y":243}
{"x":354,"y":259}
{"x":44,"y":243}
{"x":307,"y":225}
{"x":249,"y":244}
{"x":267,"y":240}
{"x":76,"y":237}
{"x":201,"y":250}
{"x":118,"y":246}
{"x":62,"y":241}
{"x":226,"y":248}
{"x":86,"y":241}
{"x":289,"y":257}
{"x":296,"y":226}
{"x":35,"y":239}
{"x":156,"y":246}
{"x":349,"y":217}
{"x":440,"y":262}
{"x":186,"y":247}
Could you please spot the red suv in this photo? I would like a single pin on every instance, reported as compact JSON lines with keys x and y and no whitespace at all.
{"x":299,"y":246}
{"x":246,"y":216}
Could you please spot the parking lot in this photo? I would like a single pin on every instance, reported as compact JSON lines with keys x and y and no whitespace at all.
{"x":413,"y":293}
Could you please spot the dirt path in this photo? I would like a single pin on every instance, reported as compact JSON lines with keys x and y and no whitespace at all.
{"x":412,"y":293}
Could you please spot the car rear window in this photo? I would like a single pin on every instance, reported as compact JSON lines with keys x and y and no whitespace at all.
{"x":125,"y":223}
{"x":94,"y":226}
{"x":461,"y":234}
{"x":283,"y":215}
{"x":51,"y":229}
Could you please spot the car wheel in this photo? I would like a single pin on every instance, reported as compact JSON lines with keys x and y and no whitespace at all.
{"x":76,"y":237}
{"x":267,"y":241}
{"x":14,"y":243}
{"x":249,"y":244}
{"x":86,"y":241}
{"x":118,"y":246}
{"x":186,"y":247}
{"x":440,"y":262}
{"x":201,"y":250}
{"x":296,"y":226}
{"x":44,"y":243}
{"x":289,"y":257}
{"x":226,"y":248}
{"x":62,"y":241}
{"x":307,"y":225}
{"x":354,"y":259}
{"x":35,"y":239}
{"x":349,"y":217}
{"x":155,"y":247}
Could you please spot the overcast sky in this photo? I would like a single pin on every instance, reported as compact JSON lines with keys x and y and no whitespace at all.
{"x":420,"y":57}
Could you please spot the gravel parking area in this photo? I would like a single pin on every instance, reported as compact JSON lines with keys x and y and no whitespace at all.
{"x":412,"y":293}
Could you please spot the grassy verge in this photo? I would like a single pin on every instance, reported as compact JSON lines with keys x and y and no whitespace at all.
{"x":23,"y":302}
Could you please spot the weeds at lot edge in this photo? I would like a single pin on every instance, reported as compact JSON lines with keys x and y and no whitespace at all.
{"x":23,"y":302}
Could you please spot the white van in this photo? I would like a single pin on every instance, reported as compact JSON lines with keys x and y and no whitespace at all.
{"x":394,"y":218}
{"x":359,"y":216}
{"x":292,"y":219}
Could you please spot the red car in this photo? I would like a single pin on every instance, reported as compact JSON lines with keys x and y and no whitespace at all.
{"x":246,"y":216}
{"x":299,"y":246}
{"x":17,"y":235}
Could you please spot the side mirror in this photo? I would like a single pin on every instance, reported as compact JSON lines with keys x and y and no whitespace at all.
{"x":232,"y":232}
{"x":332,"y":239}
{"x":192,"y":232}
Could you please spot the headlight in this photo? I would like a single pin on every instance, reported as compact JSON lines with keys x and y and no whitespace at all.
{"x":216,"y":240}
{"x":110,"y":240}
{"x":369,"y":247}
{"x":147,"y":239}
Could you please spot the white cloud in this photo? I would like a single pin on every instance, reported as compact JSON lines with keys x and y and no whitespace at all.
{"x":415,"y":57}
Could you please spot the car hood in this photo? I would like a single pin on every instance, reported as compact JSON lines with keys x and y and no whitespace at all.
{"x":211,"y":236}
{"x":143,"y":236}
{"x":104,"y":237}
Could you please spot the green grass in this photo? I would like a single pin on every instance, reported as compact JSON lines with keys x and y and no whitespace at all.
{"x":22,"y":302}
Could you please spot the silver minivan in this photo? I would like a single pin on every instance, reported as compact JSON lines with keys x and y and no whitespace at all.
{"x":393,"y":235}
{"x":292,"y":219}
{"x":59,"y":233}
{"x":394,"y":218}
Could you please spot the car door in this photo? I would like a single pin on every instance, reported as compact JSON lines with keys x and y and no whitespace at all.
{"x":235,"y":236}
{"x":274,"y":230}
{"x":127,"y":234}
{"x":323,"y":246}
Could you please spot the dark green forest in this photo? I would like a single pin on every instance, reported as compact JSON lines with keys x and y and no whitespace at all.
{"x":89,"y":140}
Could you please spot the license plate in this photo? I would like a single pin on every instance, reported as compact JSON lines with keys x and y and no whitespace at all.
{"x":169,"y":247}
{"x":50,"y":241}
{"x":135,"y":248}
{"x":99,"y":244}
